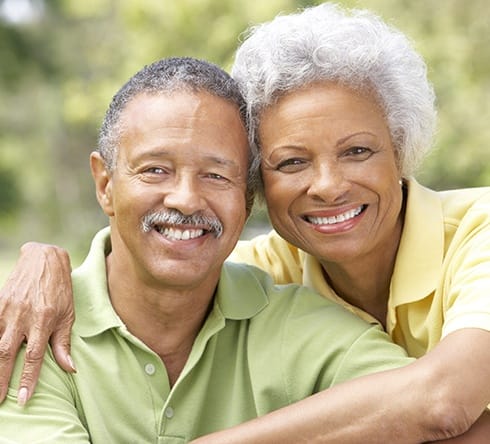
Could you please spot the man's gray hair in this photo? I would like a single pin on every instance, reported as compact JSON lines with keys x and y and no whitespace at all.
{"x":351,"y":47}
{"x":167,"y":76}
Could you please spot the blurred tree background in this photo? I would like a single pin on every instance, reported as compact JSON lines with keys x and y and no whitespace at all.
{"x":62,"y":60}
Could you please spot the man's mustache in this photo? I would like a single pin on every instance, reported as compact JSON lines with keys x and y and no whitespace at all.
{"x":174,"y":217}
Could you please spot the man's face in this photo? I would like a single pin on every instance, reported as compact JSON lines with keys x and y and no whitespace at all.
{"x":185,"y":153}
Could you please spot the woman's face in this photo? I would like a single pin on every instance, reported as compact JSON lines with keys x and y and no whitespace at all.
{"x":330,"y":173}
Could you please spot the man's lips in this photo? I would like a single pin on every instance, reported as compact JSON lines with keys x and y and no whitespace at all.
{"x":175,"y":233}
{"x":180,"y":234}
{"x":338,"y":218}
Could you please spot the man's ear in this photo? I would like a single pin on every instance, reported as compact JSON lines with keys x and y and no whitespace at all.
{"x":103,"y":183}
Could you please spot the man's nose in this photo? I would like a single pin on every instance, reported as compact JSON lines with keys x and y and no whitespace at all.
{"x":185,"y":195}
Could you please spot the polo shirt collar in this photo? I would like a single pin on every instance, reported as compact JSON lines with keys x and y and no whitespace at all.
{"x":420,"y":253}
{"x":239,"y":295}
{"x":94,"y":312}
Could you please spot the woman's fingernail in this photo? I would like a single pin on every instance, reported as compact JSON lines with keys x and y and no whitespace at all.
{"x":22,"y":396}
{"x":72,"y":364}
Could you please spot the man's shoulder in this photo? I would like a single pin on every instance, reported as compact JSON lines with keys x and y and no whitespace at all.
{"x":271,"y":253}
{"x":300,"y":338}
{"x":290,"y":304}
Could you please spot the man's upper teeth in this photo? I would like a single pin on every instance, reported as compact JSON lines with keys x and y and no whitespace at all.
{"x":335,"y":219}
{"x":177,"y":234}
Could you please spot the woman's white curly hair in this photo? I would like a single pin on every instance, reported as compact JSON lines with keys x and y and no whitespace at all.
{"x":352,"y":47}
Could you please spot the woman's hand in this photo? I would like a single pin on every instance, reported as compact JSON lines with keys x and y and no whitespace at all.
{"x":36,"y":306}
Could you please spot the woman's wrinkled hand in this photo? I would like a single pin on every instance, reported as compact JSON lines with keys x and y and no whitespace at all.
{"x":36,"y":307}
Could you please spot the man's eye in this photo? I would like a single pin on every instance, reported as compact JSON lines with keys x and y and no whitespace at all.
{"x":291,"y":165}
{"x":155,"y":170}
{"x":154,"y":174}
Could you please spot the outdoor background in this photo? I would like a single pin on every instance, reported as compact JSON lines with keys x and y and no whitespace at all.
{"x":62,"y":60}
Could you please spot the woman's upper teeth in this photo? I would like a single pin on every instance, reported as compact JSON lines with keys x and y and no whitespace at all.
{"x":334,"y":219}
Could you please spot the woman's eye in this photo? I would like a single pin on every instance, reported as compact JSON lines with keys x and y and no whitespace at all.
{"x":216,"y":176}
{"x":290,"y":165}
{"x":359,"y":152}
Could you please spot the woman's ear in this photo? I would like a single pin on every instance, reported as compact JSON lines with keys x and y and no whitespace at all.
{"x":103,"y":183}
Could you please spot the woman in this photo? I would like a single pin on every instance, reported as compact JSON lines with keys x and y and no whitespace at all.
{"x":342,"y":114}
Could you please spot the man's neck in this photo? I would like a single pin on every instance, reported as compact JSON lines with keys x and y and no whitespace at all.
{"x":167,"y":320}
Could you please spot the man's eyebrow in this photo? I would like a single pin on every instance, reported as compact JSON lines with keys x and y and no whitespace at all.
{"x":156,"y":153}
{"x":153,"y":153}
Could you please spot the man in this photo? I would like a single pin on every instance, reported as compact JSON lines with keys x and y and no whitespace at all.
{"x":170,"y":342}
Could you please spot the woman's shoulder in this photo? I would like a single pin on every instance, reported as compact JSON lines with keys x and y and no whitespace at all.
{"x":271,"y":253}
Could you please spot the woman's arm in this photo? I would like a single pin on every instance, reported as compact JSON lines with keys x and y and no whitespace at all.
{"x":437,"y":397}
{"x":478,"y":434}
{"x":36,"y":303}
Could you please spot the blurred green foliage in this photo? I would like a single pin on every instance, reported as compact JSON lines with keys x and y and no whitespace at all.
{"x":60,"y":66}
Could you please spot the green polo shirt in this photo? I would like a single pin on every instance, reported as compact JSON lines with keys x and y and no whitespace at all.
{"x":262,"y":347}
{"x":441,"y":278}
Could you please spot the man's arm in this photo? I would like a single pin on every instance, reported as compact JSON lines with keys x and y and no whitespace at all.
{"x":36,"y":303}
{"x":437,"y":397}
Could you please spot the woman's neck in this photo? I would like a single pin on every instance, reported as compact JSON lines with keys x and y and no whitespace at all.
{"x":367,"y":289}
{"x":365,"y":281}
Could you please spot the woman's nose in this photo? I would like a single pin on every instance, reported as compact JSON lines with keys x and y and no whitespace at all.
{"x":327,"y":182}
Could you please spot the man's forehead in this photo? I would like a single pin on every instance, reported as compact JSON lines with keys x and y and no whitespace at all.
{"x":181,"y":109}
{"x":197,"y":124}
